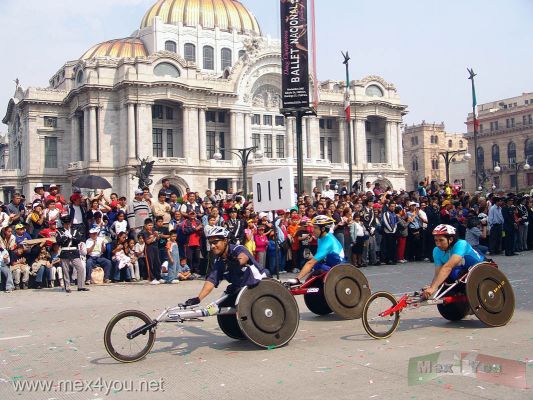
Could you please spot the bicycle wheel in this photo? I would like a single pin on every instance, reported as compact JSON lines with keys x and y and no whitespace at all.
{"x":375,"y":325}
{"x":119,"y":346}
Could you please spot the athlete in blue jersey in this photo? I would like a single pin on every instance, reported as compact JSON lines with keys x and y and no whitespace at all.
{"x":329,"y":252}
{"x":453,"y":257}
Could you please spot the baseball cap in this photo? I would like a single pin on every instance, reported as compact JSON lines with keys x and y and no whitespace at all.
{"x":139,"y":191}
{"x":39,"y":185}
{"x":53,"y":185}
{"x":94,"y":230}
{"x":19,"y":226}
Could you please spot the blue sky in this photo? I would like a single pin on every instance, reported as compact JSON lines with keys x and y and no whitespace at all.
{"x":422,"y":46}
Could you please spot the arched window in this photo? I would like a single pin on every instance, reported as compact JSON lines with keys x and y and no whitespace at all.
{"x":374,"y":91}
{"x":209,"y":58}
{"x":461,"y":144}
{"x":450,"y":143}
{"x":481,"y":157}
{"x":79,"y":77}
{"x":166,"y":69}
{"x":225,"y":58}
{"x":170,"y":46}
{"x":511,"y":153}
{"x":528,"y":149}
{"x":495,"y":155}
{"x":436,"y":139}
{"x":189,"y":52}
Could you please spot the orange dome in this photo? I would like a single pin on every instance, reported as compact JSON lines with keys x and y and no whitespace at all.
{"x":226,"y":15}
{"x":117,"y":48}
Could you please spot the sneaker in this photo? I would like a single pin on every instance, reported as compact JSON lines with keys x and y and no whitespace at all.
{"x":161,"y":281}
{"x":402,"y":261}
{"x":293,"y":281}
{"x":107,"y":280}
{"x":155,"y":282}
{"x":295,"y":270}
{"x":282,"y":272}
{"x":87,"y":282}
{"x":175,"y":281}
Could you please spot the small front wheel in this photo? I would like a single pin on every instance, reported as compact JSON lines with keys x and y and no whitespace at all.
{"x":117,"y":343}
{"x":376,"y":325}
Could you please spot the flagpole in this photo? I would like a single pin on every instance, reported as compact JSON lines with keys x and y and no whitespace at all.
{"x":347,"y":106}
{"x":474,"y":118}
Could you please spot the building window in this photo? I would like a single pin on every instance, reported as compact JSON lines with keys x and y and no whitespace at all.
{"x":268,"y":146}
{"x":210,"y":145}
{"x":495,"y":155}
{"x":461,"y":144}
{"x":415,"y":164}
{"x":450,"y":144}
{"x":170,"y":46}
{"x":374,"y":91}
{"x":329,"y":123}
{"x":322,"y":147}
{"x":511,"y":153}
{"x":528,"y":150}
{"x":529,"y":119}
{"x":79,"y":77}
{"x":416,"y":140}
{"x":492,"y":126}
{"x":267,"y":120}
{"x":189,"y":51}
{"x":50,"y":152}
{"x":50,"y":122}
{"x":225,"y":58}
{"x":436,"y":140}
{"x":157,"y":138}
{"x":256,"y":140}
{"x":170,"y":143}
{"x":211,"y":116}
{"x":280,"y":120}
{"x":280,"y":146}
{"x":256,"y":119}
{"x":512,"y":123}
{"x":322,"y":123}
{"x":170,"y":113}
{"x":481,"y":157}
{"x":166,"y":69}
{"x":435,"y":164}
{"x":507,"y":123}
{"x":242,"y":53}
{"x":480,"y":128}
{"x":209,"y":58}
{"x":524,"y":119}
{"x":330,"y":149}
{"x":512,"y":180}
{"x":369,"y":150}
{"x":157,"y":111}
{"x":496,"y":126}
{"x":222,"y":117}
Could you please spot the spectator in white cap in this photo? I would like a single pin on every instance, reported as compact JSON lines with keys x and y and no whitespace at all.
{"x":39,"y":193}
{"x":55,"y":195}
{"x":95,"y":251}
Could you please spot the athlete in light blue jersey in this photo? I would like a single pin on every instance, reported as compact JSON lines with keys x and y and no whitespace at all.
{"x":329,"y":252}
{"x":453,"y":257}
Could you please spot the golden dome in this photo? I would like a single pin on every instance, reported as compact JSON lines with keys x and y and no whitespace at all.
{"x":117,"y":48}
{"x":223,"y":14}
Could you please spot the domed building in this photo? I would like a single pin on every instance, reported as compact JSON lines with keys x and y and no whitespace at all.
{"x":196,"y":78}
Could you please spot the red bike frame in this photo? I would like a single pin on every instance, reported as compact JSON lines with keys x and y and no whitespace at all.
{"x":305,"y":288}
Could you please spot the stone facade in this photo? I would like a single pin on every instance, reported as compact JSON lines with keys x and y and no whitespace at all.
{"x":101,"y":114}
{"x":506,"y":138}
{"x":425,"y":146}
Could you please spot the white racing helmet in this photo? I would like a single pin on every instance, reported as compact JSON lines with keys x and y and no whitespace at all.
{"x":443,"y":229}
{"x":217,"y":231}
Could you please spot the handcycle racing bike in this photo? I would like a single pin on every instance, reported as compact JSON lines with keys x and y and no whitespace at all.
{"x":483,"y":290}
{"x":265,"y":314}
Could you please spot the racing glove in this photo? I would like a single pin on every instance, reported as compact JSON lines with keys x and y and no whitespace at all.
{"x":192,"y":301}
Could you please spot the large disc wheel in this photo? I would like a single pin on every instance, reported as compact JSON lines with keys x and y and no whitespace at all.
{"x":376,"y":325}
{"x":119,"y":346}
{"x":490,"y":295}
{"x":346,"y":291}
{"x":316,"y":302}
{"x":228,"y":322}
{"x":267,"y":314}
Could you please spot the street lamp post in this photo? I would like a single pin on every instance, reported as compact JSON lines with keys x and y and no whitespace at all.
{"x":244,"y":155}
{"x":472,"y":75}
{"x":449,"y":157}
{"x":516,"y":167}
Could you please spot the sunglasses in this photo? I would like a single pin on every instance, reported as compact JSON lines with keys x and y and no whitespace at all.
{"x":214,"y":242}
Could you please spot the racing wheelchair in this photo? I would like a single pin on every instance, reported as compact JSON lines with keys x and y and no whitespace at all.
{"x":265,"y":314}
{"x":343,"y":290}
{"x":483,"y":290}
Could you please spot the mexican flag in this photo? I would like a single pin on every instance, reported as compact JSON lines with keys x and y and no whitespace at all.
{"x":474,"y":107}
{"x":347,"y":98}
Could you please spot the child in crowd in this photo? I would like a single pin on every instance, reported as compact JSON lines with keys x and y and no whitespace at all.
{"x":173,"y":258}
{"x":135,"y":273}
{"x":39,"y":267}
{"x":141,"y":257}
{"x":120,"y":225}
{"x":55,"y":269}
{"x":19,"y":268}
{"x":184,"y":272}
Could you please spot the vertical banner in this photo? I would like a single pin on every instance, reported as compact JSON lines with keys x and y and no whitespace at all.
{"x":295,"y":54}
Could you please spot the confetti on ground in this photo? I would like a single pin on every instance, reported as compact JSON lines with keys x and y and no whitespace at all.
{"x":481,"y":387}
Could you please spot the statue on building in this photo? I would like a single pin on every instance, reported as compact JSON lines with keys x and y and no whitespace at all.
{"x":143,"y":172}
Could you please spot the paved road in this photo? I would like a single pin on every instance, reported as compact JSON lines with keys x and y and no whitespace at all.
{"x":50,"y":336}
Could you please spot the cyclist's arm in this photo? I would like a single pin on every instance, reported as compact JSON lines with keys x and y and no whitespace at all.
{"x":442,"y":272}
{"x":206,"y":289}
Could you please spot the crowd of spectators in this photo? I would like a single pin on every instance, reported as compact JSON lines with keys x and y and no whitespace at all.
{"x":161,"y":238}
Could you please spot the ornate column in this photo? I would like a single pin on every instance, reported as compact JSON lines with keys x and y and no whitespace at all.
{"x":93,"y":149}
{"x":74,"y":139}
{"x":86,"y":134}
{"x":400,"y":145}
{"x":212,"y":183}
{"x":144,"y":134}
{"x":240,"y":133}
{"x":342,"y":141}
{"x":233,"y":134}
{"x":247,"y":129}
{"x":186,"y":133}
{"x":360,"y":140}
{"x":289,"y":132}
{"x":202,"y":134}
{"x":305,"y":137}
{"x":132,"y":140}
{"x":314,"y":142}
{"x":194,"y":140}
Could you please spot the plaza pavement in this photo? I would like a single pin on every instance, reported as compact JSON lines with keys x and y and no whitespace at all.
{"x":50,"y":336}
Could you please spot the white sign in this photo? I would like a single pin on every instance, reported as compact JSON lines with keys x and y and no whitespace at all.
{"x":273,"y":190}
